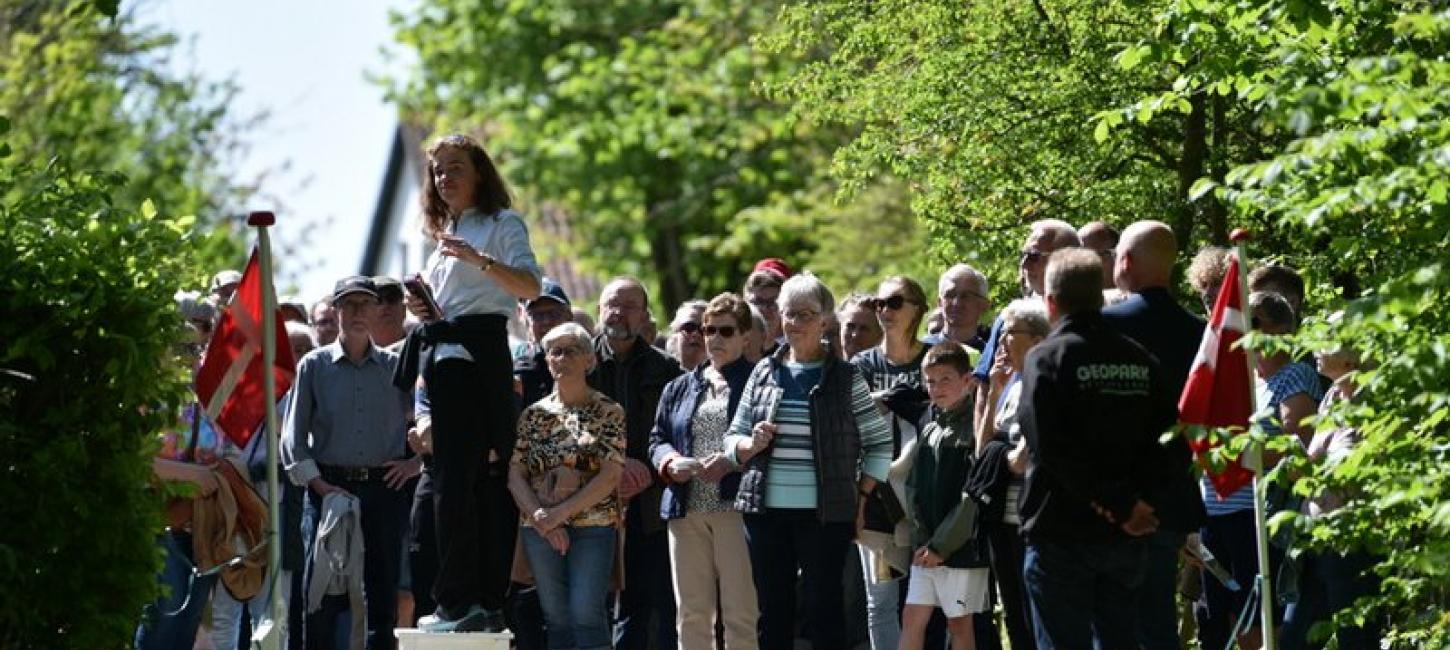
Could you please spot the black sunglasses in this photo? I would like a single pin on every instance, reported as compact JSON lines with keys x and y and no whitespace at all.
{"x":725,"y":331}
{"x":893,"y":303}
{"x":688,"y":327}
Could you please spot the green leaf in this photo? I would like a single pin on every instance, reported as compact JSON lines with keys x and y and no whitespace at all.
{"x":1133,"y":55}
{"x":1201,"y":187}
{"x":1100,"y":132}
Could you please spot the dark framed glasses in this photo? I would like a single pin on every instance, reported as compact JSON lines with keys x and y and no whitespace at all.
{"x":724,"y":331}
{"x":1032,"y":257}
{"x":688,"y":327}
{"x":893,"y":303}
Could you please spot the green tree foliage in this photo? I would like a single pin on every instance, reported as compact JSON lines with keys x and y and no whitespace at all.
{"x":987,"y":111}
{"x":638,"y":118}
{"x":97,"y":92}
{"x":87,"y":370}
{"x":99,"y":146}
{"x":1359,"y":199}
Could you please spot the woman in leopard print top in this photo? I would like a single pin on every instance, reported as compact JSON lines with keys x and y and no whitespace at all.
{"x":565,"y":468}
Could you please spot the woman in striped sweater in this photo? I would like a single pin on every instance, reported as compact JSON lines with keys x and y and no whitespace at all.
{"x":813,"y":445}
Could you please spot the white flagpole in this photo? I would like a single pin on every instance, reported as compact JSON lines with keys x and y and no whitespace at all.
{"x":1255,"y":452}
{"x":270,"y":636}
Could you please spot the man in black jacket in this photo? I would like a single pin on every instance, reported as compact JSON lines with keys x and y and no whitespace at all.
{"x":1144,"y":267}
{"x":1093,"y":406}
{"x":634,"y":373}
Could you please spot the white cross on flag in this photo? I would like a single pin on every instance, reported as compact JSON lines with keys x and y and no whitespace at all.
{"x":1218,"y":393}
{"x":229,"y":383}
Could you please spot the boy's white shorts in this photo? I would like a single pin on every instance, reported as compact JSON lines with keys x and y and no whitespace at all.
{"x":957,"y":592}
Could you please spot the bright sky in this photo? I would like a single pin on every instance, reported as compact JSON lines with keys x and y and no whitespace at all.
{"x":325,"y":145}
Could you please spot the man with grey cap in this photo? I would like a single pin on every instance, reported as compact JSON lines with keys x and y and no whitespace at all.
{"x":345,"y":433}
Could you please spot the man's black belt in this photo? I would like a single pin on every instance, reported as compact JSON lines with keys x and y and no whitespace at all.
{"x":335,"y":473}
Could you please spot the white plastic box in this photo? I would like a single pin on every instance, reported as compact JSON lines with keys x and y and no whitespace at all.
{"x":414,"y":639}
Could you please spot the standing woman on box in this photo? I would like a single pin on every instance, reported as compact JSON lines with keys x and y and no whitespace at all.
{"x":482,"y":267}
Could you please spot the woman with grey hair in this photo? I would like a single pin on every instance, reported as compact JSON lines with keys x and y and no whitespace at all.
{"x":1024,"y":325}
{"x":566,"y":465}
{"x":805,"y":424}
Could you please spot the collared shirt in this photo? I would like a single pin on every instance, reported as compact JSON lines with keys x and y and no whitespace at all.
{"x":343,"y":413}
{"x":462,"y":288}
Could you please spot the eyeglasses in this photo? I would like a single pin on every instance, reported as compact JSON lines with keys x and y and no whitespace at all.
{"x":893,"y":303}
{"x":1032,"y":257}
{"x":801,"y":315}
{"x":960,"y":295}
{"x":565,"y":351}
{"x":724,"y":331}
{"x":688,"y":327}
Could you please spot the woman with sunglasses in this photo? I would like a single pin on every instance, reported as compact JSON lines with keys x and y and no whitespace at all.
{"x":707,"y":535}
{"x":892,"y":370}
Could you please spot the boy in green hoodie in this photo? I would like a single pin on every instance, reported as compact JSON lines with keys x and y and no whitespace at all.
{"x":949,"y":566}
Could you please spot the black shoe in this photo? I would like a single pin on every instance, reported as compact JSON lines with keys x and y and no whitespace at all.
{"x":493,"y":621}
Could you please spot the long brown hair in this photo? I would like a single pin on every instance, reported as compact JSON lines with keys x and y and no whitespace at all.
{"x":912,"y":291}
{"x":491,"y":195}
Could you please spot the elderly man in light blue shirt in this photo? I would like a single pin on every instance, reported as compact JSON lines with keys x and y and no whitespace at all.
{"x":345,"y":432}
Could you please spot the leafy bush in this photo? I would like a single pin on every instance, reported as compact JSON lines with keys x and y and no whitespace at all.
{"x":1360,"y":197}
{"x":88,"y":374}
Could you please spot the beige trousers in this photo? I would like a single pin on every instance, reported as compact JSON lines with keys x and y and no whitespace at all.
{"x":705,"y":548}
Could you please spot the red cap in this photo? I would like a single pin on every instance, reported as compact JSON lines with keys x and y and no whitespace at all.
{"x":773,"y":265}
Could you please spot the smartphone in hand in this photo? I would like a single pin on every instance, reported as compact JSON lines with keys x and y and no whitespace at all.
{"x":416,"y":287}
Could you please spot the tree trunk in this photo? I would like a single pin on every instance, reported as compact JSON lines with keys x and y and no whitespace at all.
{"x":1217,"y":213}
{"x":669,"y":264}
{"x":1190,"y":168}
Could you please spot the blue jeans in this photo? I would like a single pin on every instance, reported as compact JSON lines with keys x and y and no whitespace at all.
{"x":572,"y":587}
{"x":1158,"y":597}
{"x":1084,"y":593}
{"x":170,"y":623}
{"x":883,"y":607}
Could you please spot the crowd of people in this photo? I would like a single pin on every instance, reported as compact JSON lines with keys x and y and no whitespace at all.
{"x":489,"y":459}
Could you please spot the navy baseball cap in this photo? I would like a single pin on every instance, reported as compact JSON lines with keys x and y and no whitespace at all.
{"x":550,"y":290}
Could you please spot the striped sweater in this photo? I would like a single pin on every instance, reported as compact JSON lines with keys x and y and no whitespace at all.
{"x":791,"y":469}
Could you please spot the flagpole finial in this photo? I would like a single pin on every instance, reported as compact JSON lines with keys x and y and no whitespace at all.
{"x":1239,"y":236}
{"x":261,"y":218}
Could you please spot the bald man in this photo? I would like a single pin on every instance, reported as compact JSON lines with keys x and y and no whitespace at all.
{"x":1144,"y":268}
